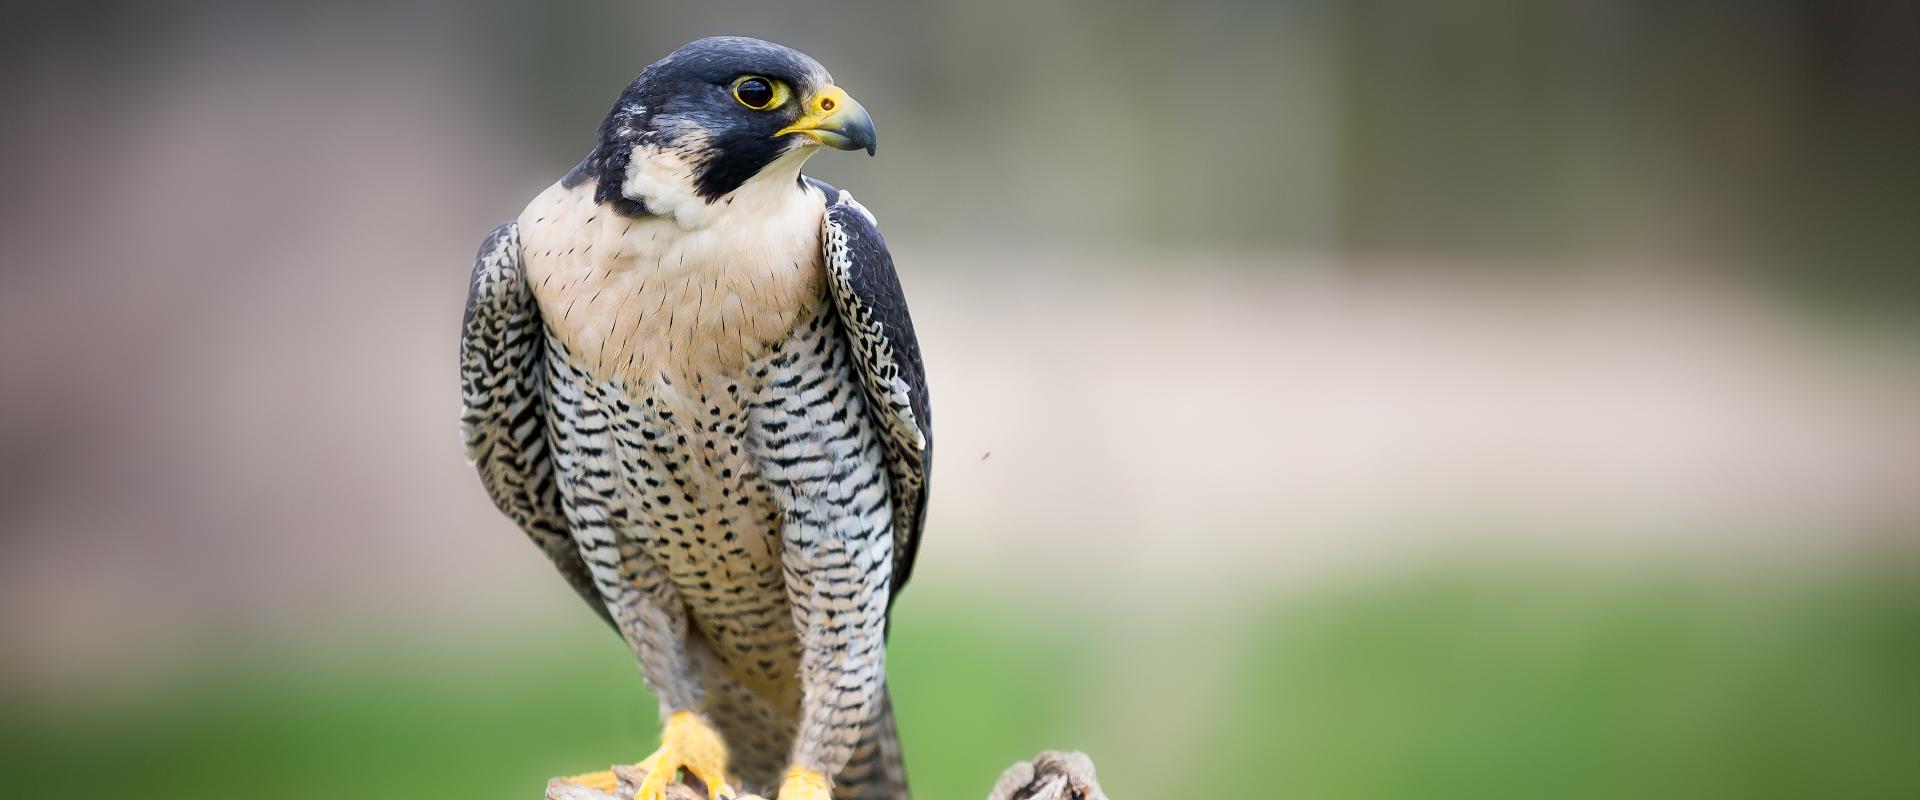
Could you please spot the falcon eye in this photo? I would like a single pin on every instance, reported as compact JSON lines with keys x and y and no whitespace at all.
{"x":759,"y":93}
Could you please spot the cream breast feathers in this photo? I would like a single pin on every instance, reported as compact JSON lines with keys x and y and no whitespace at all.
{"x":694,"y":288}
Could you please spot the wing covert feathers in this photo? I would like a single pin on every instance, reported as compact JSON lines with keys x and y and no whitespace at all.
{"x":503,"y":407}
{"x":873,"y":309}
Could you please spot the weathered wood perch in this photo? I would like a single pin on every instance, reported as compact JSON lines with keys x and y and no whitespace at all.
{"x":1051,"y":775}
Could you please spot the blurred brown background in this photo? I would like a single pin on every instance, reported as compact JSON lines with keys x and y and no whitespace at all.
{"x":1513,"y":294}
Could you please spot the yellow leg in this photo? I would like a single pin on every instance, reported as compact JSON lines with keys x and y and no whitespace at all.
{"x":687,"y":743}
{"x":804,"y":784}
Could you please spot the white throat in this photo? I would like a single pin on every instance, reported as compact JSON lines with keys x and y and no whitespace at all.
{"x":664,"y":181}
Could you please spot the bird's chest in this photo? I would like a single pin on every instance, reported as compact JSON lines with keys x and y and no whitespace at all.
{"x":705,"y":465}
{"x":647,"y":301}
{"x":701,"y":478}
{"x":677,"y":357}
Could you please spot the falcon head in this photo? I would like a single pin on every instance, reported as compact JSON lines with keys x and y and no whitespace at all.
{"x":715,"y":114}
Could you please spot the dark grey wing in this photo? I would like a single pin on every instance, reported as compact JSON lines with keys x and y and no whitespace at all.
{"x":503,"y":410}
{"x":873,"y":310}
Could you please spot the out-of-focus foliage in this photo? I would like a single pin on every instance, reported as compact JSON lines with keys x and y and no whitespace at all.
{"x":1774,"y":136}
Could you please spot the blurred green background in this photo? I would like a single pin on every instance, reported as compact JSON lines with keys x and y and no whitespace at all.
{"x":1456,"y":683}
{"x":1478,"y":398}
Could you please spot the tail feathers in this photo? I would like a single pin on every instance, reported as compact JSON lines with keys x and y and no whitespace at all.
{"x":876,"y":771}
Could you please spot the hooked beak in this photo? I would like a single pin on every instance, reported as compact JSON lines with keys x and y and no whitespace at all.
{"x":835,"y":120}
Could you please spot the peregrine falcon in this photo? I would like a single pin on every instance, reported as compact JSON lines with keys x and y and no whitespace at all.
{"x":689,"y":375}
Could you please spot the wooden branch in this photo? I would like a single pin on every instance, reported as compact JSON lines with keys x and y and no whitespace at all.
{"x":629,"y":778}
{"x":1052,"y":775}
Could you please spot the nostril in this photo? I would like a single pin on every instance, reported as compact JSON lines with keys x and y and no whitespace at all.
{"x":826,"y":104}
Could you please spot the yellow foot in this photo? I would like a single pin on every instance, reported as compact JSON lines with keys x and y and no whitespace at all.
{"x":687,"y":743}
{"x":804,"y":784}
{"x":603,"y":780}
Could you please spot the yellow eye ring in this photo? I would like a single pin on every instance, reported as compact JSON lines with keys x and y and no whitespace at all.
{"x":760,"y":94}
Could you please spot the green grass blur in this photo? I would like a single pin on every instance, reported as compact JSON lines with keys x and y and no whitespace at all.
{"x":1454,"y":685}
